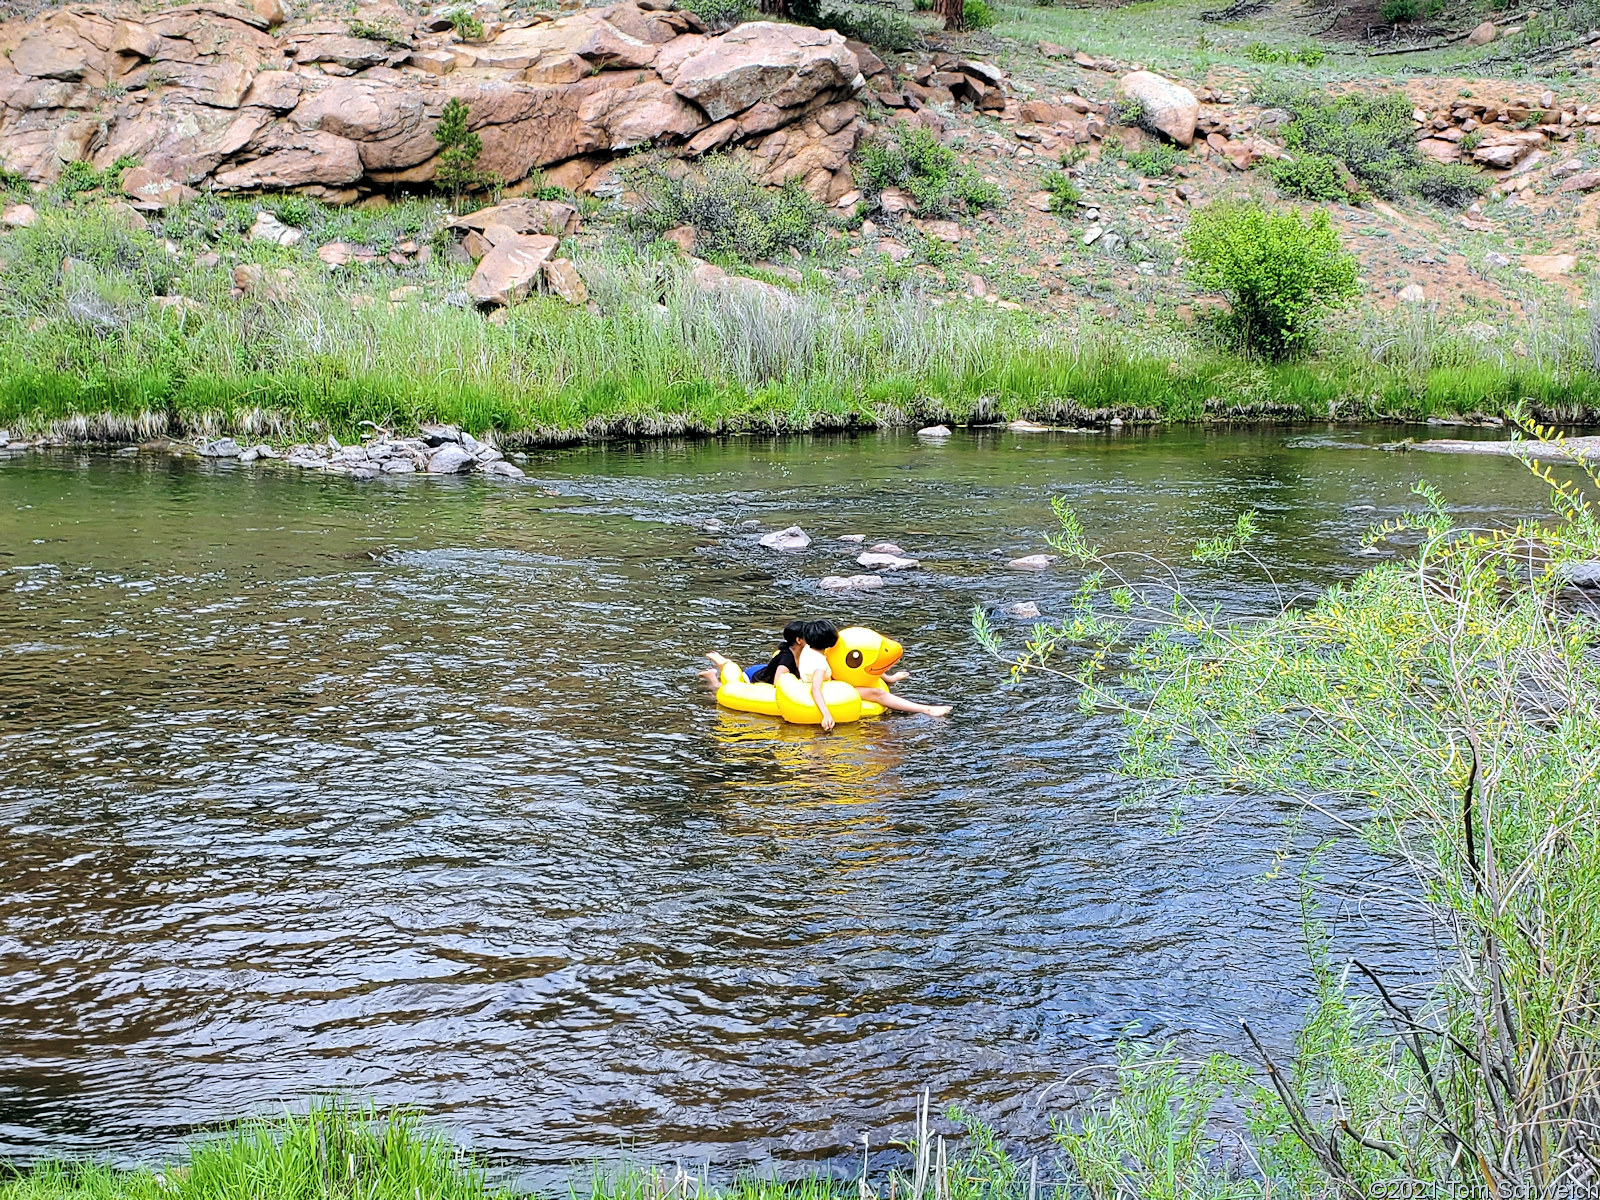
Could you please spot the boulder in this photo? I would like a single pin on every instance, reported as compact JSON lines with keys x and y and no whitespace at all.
{"x":508,"y":271}
{"x":18,"y":216}
{"x":936,"y":433}
{"x":1168,"y":108}
{"x":438,"y":435}
{"x":1412,"y":293}
{"x":522,"y":216}
{"x":268,"y":228}
{"x":886,"y":548}
{"x":449,"y":459}
{"x":503,"y":469}
{"x":857,"y":538}
{"x":561,"y":278}
{"x":154,"y":190}
{"x":52,"y":54}
{"x":886,"y":562}
{"x":785,"y":65}
{"x":1500,"y":151}
{"x":1583,"y":181}
{"x":1482,"y":34}
{"x":852,"y":583}
{"x":1025,"y":610}
{"x":339,"y":254}
{"x":221,"y":448}
{"x":1440,"y":150}
{"x":1031,"y":562}
{"x":792,"y":538}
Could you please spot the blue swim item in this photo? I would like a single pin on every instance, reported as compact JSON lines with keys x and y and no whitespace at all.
{"x":751,"y":672}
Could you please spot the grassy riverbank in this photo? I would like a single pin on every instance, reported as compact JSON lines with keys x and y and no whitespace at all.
{"x":354,"y":1154}
{"x":110,"y":332}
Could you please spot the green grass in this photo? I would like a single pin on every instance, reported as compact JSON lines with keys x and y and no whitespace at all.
{"x":85,"y":349}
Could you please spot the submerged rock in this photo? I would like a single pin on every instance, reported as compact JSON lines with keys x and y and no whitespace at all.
{"x":1026,"y":610}
{"x":852,"y":583}
{"x":500,"y":467}
{"x":887,"y":548}
{"x":934,"y":432}
{"x":853,"y":537}
{"x":792,"y":538}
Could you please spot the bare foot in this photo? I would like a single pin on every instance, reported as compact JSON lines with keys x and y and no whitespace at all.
{"x":712,"y":678}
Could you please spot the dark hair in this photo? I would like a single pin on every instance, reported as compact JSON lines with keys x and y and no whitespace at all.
{"x":820,"y":635}
{"x":792,"y":631}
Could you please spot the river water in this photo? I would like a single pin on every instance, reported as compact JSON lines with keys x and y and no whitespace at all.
{"x":409,"y":789}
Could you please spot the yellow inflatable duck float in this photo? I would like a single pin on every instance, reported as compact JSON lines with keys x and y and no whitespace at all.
{"x":858,"y":659}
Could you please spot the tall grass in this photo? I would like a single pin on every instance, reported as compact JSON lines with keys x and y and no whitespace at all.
{"x":86,"y":349}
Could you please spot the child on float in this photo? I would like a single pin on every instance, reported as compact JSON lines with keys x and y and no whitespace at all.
{"x":783,"y":661}
{"x":819,"y":636}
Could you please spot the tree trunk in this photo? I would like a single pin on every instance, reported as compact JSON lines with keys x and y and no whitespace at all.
{"x":954,"y":14}
{"x":774,"y":8}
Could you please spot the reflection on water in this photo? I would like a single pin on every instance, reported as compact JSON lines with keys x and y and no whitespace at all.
{"x":411,"y":788}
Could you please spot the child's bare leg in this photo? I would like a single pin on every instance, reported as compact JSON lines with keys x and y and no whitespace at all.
{"x":713,"y":679}
{"x":899,"y":704}
{"x":718,"y":659}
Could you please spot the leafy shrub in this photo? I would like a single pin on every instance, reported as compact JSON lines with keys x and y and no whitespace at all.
{"x":875,"y":24}
{"x":13,"y":181}
{"x":1370,"y":134}
{"x":1396,"y":12}
{"x":731,"y":212}
{"x":465,"y":24}
{"x":977,"y":14}
{"x":291,"y":210}
{"x":76,"y":178}
{"x":1158,"y":159}
{"x":916,"y":161}
{"x":720,"y":15}
{"x":1064,"y":194}
{"x":1309,"y":176}
{"x":1278,"y":271}
{"x":1449,"y":185}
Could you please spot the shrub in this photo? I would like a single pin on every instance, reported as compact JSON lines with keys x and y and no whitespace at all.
{"x":76,"y":178}
{"x":731,"y":212}
{"x":977,"y":14}
{"x":1309,"y":176}
{"x":1449,"y":185}
{"x":383,"y":31}
{"x":918,"y":162}
{"x":1155,"y":160}
{"x":1064,"y":194}
{"x":465,"y":23}
{"x":1396,"y":12}
{"x":720,"y":15}
{"x":1371,"y":135}
{"x":1278,"y":271}
{"x":875,"y":24}
{"x":1306,"y":56}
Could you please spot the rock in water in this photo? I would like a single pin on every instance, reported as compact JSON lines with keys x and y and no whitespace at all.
{"x":221,"y":448}
{"x":449,"y":459}
{"x":853,"y":537}
{"x":1027,"y":610}
{"x":1168,"y":107}
{"x":503,"y":469}
{"x":852,"y":583}
{"x":886,"y":562}
{"x":792,"y":538}
{"x":887,"y":548}
{"x":1031,"y":562}
{"x":934,"y":432}
{"x":438,"y":435}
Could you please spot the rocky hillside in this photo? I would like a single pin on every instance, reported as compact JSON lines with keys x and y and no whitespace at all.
{"x":221,"y":97}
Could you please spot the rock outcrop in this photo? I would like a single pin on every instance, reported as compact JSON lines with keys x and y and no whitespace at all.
{"x":216,"y":95}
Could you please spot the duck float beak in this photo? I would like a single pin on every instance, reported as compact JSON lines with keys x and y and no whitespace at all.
{"x":889,"y":652}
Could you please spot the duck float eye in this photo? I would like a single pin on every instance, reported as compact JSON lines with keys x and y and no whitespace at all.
{"x":853,"y":658}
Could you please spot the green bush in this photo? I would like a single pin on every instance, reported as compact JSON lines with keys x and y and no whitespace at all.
{"x":1396,"y":12}
{"x":459,"y":148}
{"x":979,"y":15}
{"x":1155,"y":160}
{"x":915,"y":160}
{"x":720,"y":15}
{"x":1370,"y":134}
{"x":1064,"y":194}
{"x":1449,"y":185}
{"x":1306,"y":56}
{"x":875,"y":24}
{"x":1309,"y":176}
{"x":1279,"y":272}
{"x":731,"y":212}
{"x":465,"y":24}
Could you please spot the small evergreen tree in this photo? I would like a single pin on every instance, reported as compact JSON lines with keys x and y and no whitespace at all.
{"x":459,"y":149}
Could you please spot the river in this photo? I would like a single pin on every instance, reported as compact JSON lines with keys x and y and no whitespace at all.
{"x":409,"y":789}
